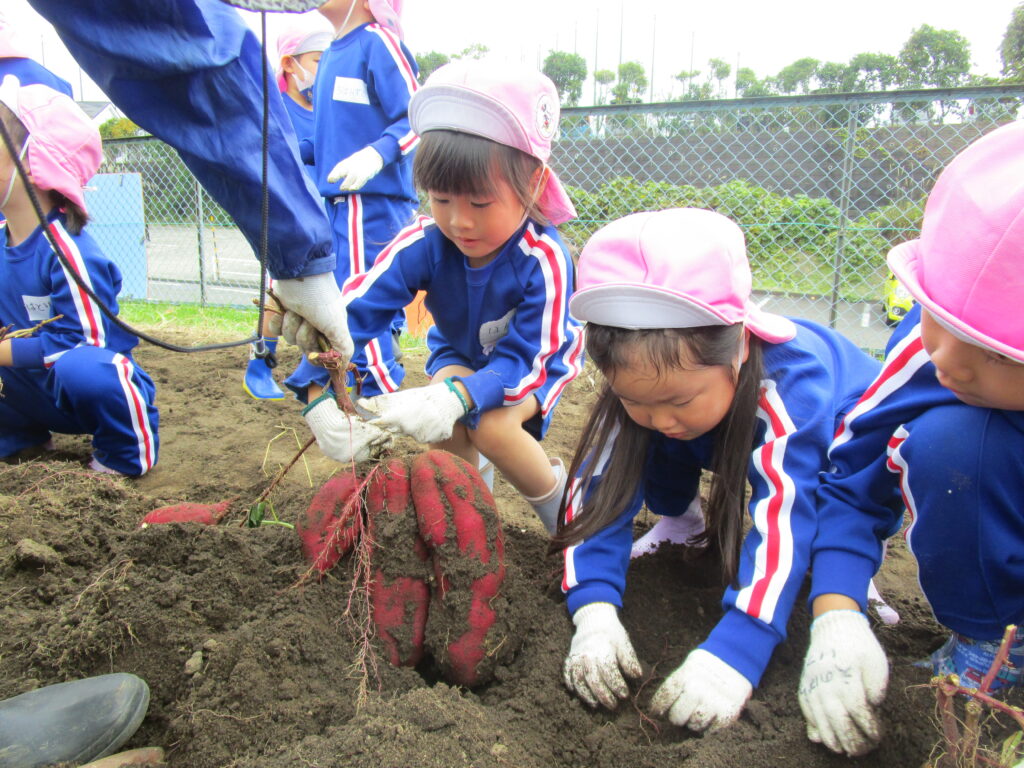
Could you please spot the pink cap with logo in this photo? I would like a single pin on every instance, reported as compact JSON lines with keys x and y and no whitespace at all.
{"x":310,"y":32}
{"x":967,"y":267}
{"x":511,"y":105}
{"x":388,"y":14}
{"x":64,"y":149}
{"x":677,"y":268}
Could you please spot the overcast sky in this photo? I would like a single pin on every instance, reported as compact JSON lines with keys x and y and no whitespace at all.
{"x":663,"y":35}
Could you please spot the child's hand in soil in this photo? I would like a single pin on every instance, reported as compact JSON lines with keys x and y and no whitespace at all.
{"x":426,"y":414}
{"x":704,"y":693}
{"x":844,"y":677}
{"x":342,"y":437}
{"x":599,"y":654}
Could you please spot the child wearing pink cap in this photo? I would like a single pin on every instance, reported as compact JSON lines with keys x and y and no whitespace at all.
{"x":299,"y":48}
{"x":76,"y":375}
{"x":940,"y":433}
{"x":697,"y":377}
{"x":497,"y":278}
{"x":362,"y":149}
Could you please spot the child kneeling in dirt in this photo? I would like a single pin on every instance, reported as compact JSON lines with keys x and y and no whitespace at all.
{"x":76,"y":375}
{"x":944,"y":424}
{"x":497,"y":278}
{"x":697,"y":378}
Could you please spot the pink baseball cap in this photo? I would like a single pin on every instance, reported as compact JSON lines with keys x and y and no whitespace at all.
{"x":64,"y":149}
{"x":512,"y":105}
{"x":967,"y":267}
{"x":388,"y":14}
{"x":310,"y":32}
{"x":677,"y":268}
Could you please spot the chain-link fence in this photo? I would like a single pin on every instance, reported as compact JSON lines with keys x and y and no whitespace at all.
{"x":822,"y":185}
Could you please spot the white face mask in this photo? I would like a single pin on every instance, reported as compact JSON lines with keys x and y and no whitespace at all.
{"x":305,"y":82}
{"x":14,"y":176}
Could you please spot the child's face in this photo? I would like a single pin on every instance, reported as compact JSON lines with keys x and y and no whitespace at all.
{"x":682,"y":404}
{"x":976,"y":375}
{"x":479,"y":226}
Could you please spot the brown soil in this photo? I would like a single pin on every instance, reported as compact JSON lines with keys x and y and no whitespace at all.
{"x":248,"y":669}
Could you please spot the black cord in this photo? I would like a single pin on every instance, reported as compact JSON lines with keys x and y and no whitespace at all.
{"x":257,"y":338}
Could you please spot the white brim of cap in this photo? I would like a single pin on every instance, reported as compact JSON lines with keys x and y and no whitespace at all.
{"x":637,"y":307}
{"x":454,"y":108}
{"x":905,"y":262}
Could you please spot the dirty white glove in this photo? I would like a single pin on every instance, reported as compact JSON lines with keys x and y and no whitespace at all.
{"x":600,"y":652}
{"x":704,"y":693}
{"x":342,"y":437}
{"x":312,"y":303}
{"x":356,"y":169}
{"x":844,"y":677}
{"x":426,"y":414}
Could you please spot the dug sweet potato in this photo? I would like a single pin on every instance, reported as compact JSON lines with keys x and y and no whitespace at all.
{"x":332,"y":522}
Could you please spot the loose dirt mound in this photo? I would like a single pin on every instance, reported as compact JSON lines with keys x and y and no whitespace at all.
{"x":247,"y":668}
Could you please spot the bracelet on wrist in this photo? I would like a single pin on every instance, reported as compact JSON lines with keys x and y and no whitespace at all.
{"x":462,"y":398}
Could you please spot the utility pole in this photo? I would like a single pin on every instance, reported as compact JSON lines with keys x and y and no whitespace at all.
{"x":621,"y":24}
{"x":654,"y":40}
{"x":597,"y":27}
{"x":689,"y":78}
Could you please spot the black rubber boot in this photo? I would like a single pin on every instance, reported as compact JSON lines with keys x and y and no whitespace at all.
{"x":76,"y":722}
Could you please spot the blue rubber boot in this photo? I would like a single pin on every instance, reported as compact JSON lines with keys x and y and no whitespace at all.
{"x":259,"y":379}
{"x":74,"y":722}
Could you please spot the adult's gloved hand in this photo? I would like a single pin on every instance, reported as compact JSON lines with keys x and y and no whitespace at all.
{"x":599,"y":655}
{"x":342,"y":437}
{"x":844,"y":677}
{"x":312,"y":305}
{"x":355,"y":170}
{"x":704,"y":693}
{"x":426,"y":414}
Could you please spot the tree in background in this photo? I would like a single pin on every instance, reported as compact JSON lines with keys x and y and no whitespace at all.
{"x":567,"y":71}
{"x":747,"y":84}
{"x":1012,"y":49}
{"x":935,"y":58}
{"x":604,"y":78}
{"x":119,"y":128}
{"x":632,"y":83}
{"x":428,"y":62}
{"x":798,"y":77}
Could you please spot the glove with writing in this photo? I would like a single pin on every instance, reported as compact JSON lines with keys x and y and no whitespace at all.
{"x":844,"y":678}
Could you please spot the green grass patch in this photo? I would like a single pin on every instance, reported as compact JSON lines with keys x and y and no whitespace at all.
{"x":219,"y":321}
{"x":208,"y":322}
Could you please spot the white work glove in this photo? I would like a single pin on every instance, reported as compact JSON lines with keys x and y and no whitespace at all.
{"x":340,"y":436}
{"x":312,"y":303}
{"x":356,"y":169}
{"x":600,"y":652}
{"x":704,"y":693}
{"x":426,"y":414}
{"x":844,"y":677}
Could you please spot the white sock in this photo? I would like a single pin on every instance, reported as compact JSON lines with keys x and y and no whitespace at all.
{"x":546,"y":506}
{"x":675,"y":530}
{"x":885,"y":613}
{"x":486,"y":470}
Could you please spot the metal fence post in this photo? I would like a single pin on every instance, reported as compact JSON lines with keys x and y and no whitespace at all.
{"x":844,"y":217}
{"x":199,"y":235}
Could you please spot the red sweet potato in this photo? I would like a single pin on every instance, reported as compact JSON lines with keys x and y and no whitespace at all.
{"x":399,"y":593}
{"x":459,"y":523}
{"x":331,"y":523}
{"x":188,"y":512}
